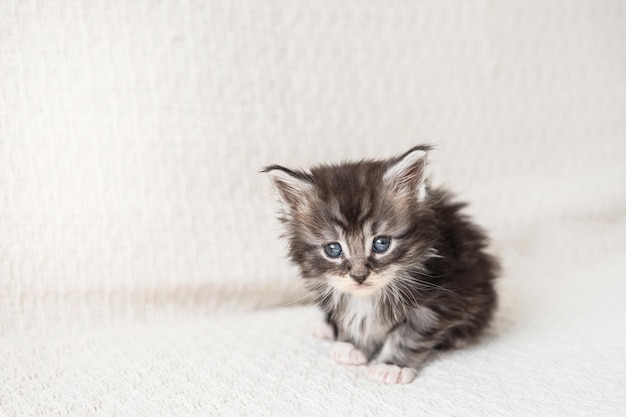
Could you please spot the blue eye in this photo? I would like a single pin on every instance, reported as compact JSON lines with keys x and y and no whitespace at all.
{"x":333,"y":250}
{"x":381,"y":244}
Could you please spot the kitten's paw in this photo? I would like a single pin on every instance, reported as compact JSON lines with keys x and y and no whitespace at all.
{"x":390,"y":374}
{"x":346,"y":354}
{"x":323,"y":330}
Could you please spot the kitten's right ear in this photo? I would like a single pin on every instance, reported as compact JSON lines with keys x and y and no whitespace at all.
{"x":292,"y":186}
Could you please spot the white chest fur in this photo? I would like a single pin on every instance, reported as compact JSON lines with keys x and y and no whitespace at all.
{"x":361,"y":322}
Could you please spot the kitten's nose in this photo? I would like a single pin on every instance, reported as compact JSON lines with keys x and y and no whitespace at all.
{"x":359,"y":276}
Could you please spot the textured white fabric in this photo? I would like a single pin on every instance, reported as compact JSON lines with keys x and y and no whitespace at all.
{"x":131,"y":137}
{"x":556,"y":348}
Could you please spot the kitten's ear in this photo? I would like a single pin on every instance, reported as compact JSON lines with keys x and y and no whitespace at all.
{"x":292,"y":186}
{"x":407,"y":173}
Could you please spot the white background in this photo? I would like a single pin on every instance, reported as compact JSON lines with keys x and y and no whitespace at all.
{"x":132,"y":133}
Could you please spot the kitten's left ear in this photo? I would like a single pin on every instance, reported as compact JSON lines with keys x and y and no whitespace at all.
{"x":292,"y":186}
{"x":407,"y":173}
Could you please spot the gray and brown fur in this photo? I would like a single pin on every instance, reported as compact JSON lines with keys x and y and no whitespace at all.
{"x":432,"y":290}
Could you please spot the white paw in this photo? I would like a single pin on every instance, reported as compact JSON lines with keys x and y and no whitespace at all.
{"x":390,"y":374}
{"x":323,"y":330}
{"x":346,"y":354}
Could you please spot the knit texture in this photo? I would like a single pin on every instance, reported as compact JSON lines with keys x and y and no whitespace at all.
{"x":134,"y":220}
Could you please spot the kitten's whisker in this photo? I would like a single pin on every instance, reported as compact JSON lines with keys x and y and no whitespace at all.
{"x":432,"y":276}
{"x":312,"y":291}
{"x":423,"y":271}
{"x":407,"y":281}
{"x":400,"y":295}
{"x":425,"y":284}
{"x":325,"y":295}
{"x":406,"y":290}
{"x":435,"y":286}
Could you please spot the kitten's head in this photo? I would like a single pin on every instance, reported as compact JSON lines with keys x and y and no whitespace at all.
{"x":357,"y":227}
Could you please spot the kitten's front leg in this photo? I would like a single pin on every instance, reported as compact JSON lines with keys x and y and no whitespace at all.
{"x":402,"y":355}
{"x":326,"y":330}
{"x":342,"y":352}
{"x":395,"y":364}
{"x":390,"y":374}
{"x":323,"y":330}
{"x":345,"y":353}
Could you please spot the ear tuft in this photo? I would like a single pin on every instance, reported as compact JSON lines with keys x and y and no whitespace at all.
{"x":407,"y":173}
{"x":292,"y":186}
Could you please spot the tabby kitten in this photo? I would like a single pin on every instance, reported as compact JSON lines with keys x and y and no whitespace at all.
{"x":398,"y":270}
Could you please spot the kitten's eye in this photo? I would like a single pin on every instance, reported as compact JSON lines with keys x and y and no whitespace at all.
{"x":381,"y":244}
{"x":333,"y":250}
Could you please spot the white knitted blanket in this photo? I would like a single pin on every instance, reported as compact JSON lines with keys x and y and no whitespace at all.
{"x":138,"y":246}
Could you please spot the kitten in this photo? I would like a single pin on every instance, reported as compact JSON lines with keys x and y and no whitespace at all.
{"x":397,"y":269}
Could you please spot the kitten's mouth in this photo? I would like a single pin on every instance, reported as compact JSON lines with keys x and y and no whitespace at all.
{"x":366,"y":288}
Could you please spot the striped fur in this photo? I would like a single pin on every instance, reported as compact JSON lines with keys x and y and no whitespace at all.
{"x":432,"y":289}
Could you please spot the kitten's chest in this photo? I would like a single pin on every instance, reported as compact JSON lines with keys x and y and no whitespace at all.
{"x":361,"y":321}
